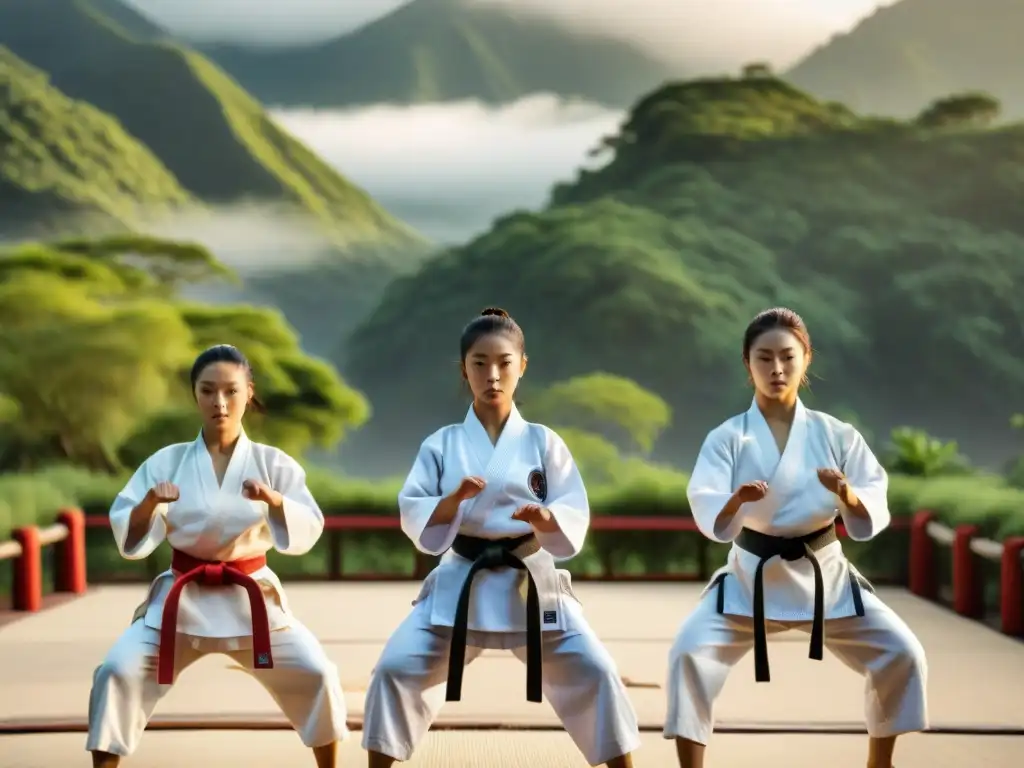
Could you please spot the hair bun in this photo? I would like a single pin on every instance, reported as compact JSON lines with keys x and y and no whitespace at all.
{"x":497,"y":311}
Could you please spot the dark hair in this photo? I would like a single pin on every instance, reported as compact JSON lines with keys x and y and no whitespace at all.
{"x":224,"y":353}
{"x":775,"y":319}
{"x":491,"y":320}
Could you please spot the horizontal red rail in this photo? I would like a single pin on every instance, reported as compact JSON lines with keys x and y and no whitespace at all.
{"x":68,"y":537}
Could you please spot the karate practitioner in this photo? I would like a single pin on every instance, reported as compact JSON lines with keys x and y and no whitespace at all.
{"x":221,"y":502}
{"x":503,"y":500}
{"x":773,"y":481}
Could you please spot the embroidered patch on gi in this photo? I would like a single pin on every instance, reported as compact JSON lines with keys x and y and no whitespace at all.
{"x":550,"y":617}
{"x":538,"y":484}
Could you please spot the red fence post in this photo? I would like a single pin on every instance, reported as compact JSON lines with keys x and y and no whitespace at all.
{"x":967,"y":597}
{"x":923,"y":579}
{"x":28,"y":570}
{"x":1012,"y":587}
{"x":70,"y":575}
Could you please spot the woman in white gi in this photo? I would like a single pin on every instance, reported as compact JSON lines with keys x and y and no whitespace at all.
{"x":773,"y":481}
{"x":502,"y":500}
{"x":221,"y":502}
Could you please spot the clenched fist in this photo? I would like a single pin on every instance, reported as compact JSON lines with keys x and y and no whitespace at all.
{"x":833,"y":480}
{"x":537,"y":516}
{"x":469,"y":487}
{"x":754,"y":491}
{"x":164,"y":492}
{"x":254,"y":490}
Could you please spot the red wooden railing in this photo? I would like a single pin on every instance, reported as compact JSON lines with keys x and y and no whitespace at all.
{"x":926,"y":534}
{"x":67,"y":535}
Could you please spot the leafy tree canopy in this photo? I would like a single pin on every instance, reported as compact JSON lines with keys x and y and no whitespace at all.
{"x":95,"y":352}
{"x":602,"y":403}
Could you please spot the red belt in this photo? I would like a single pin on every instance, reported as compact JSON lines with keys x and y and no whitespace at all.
{"x":213,"y":574}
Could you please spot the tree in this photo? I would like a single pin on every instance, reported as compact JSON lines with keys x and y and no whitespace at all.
{"x":608,"y":405}
{"x":970,"y":109}
{"x":757,"y":69}
{"x":95,"y":352}
{"x":915,"y":452}
{"x":82,"y":374}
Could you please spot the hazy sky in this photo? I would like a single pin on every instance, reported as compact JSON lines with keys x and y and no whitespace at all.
{"x":720,"y":32}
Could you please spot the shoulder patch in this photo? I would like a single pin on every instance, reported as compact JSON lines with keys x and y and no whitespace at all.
{"x":537,"y":484}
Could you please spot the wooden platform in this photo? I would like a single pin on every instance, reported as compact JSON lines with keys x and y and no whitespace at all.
{"x":975,"y":688}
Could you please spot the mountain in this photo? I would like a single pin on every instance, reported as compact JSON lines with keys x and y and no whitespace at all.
{"x":899,"y":244}
{"x":446,"y":50}
{"x":65,"y":159}
{"x":126,"y":18}
{"x":211,"y":134}
{"x":906,"y":55}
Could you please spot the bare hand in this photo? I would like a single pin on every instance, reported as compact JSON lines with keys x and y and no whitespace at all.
{"x":749,"y":492}
{"x":468,"y":488}
{"x":537,"y":516}
{"x":834,"y":481}
{"x":258,"y":491}
{"x":164,"y":492}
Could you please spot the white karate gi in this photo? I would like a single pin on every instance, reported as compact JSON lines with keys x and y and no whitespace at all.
{"x":581,"y":680}
{"x":878,"y":645}
{"x":217,"y":523}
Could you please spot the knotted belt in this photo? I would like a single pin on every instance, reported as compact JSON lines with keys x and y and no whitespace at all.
{"x":490,"y":554}
{"x":766,"y":547}
{"x":209,"y":573}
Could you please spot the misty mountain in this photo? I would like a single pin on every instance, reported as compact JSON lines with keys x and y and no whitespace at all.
{"x":904,"y":56}
{"x":447,"y":50}
{"x":62,"y":159}
{"x":213,"y":136}
{"x":303,"y":236}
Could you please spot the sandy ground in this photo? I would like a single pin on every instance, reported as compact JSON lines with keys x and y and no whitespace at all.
{"x":976,"y":681}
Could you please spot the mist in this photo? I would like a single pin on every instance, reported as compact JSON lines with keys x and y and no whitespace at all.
{"x":709,"y":35}
{"x":449,"y":169}
{"x":253,"y":240}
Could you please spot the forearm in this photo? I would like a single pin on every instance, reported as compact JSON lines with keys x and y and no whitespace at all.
{"x":139,"y":522}
{"x":445,"y":511}
{"x":854,"y":505}
{"x":730,"y":509}
{"x":275,"y":510}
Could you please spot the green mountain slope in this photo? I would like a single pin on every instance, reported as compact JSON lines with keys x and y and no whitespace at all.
{"x":210,"y":133}
{"x":61,"y":158}
{"x":900,"y":246}
{"x":906,"y":55}
{"x":445,"y":50}
{"x":134,"y":24}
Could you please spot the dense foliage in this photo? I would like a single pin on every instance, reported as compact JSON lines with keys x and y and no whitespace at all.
{"x":899,"y":244}
{"x":95,"y":351}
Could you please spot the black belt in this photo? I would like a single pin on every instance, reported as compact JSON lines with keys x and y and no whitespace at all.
{"x":490,"y":554}
{"x":790,"y":549}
